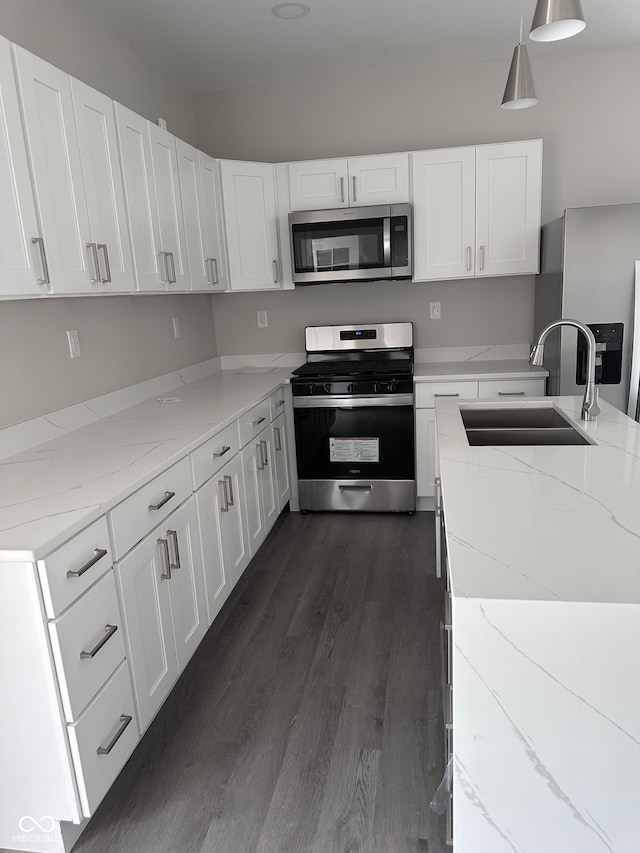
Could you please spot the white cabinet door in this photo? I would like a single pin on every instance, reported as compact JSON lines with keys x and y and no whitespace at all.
{"x":380,"y":179}
{"x":318,"y":184}
{"x":111,"y":250}
{"x":236,"y":542}
{"x":252,"y":474}
{"x":186,"y":586}
{"x":250,"y":214}
{"x":140,"y":196}
{"x":192,"y":209}
{"x":508,"y":196}
{"x":167,"y":184}
{"x":425,"y":452}
{"x":268,"y":480}
{"x":212,"y":219}
{"x":21,"y":272}
{"x":280,"y":460}
{"x":444,"y":213}
{"x":52,"y":143}
{"x":143,"y":577}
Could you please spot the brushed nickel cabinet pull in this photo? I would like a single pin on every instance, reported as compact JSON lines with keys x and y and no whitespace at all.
{"x":341,"y":190}
{"x":224,"y":449}
{"x":109,"y":632}
{"x":275,"y":272}
{"x":125,"y":719}
{"x":229,"y":483}
{"x":208,"y":270}
{"x":258,"y":422}
{"x":215,"y":275}
{"x":166,"y":575}
{"x":96,"y":266}
{"x":277,"y":439}
{"x":481,"y":257}
{"x":163,"y":258}
{"x":259,"y":461}
{"x":105,"y":255}
{"x":447,"y":395}
{"x":510,"y":393}
{"x":167,"y":497}
{"x":173,"y":535}
{"x":172,"y":278}
{"x":468,"y":258}
{"x":43,"y":259}
{"x":98,"y":554}
{"x":353,"y":183}
{"x":263,"y":444}
{"x":225,"y":505}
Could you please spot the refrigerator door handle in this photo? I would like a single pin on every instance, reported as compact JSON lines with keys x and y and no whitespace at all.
{"x":634,"y":382}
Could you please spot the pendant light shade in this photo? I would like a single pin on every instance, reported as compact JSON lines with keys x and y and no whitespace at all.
{"x":520,"y":91}
{"x":557,"y":19}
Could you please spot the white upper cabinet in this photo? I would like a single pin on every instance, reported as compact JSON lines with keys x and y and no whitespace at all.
{"x":200,"y":199}
{"x":250,"y":214}
{"x":52,"y":144}
{"x":112,"y":268}
{"x":444,"y":216}
{"x":172,"y":237}
{"x":21,"y":273}
{"x":325,"y":184}
{"x":476,"y":210}
{"x":508,"y":197}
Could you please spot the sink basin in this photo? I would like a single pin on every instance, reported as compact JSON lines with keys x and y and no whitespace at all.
{"x":524,"y":425}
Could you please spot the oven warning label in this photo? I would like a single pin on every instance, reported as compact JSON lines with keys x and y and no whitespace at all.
{"x":354,"y":449}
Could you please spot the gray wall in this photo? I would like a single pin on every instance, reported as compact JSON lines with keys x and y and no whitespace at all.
{"x":588,"y":117}
{"x":124,"y":339}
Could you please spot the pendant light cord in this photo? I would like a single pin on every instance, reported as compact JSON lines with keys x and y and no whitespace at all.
{"x":521,"y":18}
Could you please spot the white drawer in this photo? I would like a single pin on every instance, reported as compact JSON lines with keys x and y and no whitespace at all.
{"x":68,"y":572}
{"x":88,"y":645}
{"x":507,"y":388}
{"x":428,"y":392}
{"x":214,"y":453}
{"x":145,"y":509}
{"x":277,"y":401}
{"x":254,"y":421}
{"x":103,"y":739}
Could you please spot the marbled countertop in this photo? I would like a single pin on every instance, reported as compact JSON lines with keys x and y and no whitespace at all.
{"x":543,"y":523}
{"x":474,"y":370}
{"x":49,"y":493}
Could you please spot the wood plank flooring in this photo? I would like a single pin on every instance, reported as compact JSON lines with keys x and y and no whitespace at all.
{"x":311,"y":721}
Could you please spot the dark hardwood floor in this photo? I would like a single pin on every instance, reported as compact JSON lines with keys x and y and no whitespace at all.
{"x":311,"y":720}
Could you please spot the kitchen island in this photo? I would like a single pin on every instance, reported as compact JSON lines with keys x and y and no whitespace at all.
{"x":542,"y":554}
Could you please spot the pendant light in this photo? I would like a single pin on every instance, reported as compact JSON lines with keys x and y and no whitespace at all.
{"x":520,"y":91}
{"x":557,"y":19}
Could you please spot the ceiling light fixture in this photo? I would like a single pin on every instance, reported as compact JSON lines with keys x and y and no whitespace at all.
{"x":520,"y":91}
{"x":290,"y":11}
{"x":557,"y":19}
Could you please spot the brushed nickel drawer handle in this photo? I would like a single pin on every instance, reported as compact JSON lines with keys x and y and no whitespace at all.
{"x":353,"y":181}
{"x":224,"y":449}
{"x":341,"y":190}
{"x":447,"y":395}
{"x":125,"y":719}
{"x":167,"y":497}
{"x":173,"y":535}
{"x":98,"y":554}
{"x":166,"y":575}
{"x":280,"y":403}
{"x":109,"y":632}
{"x":510,"y":393}
{"x":258,"y":422}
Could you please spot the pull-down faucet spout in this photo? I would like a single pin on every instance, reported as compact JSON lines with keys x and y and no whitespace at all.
{"x":590,"y":408}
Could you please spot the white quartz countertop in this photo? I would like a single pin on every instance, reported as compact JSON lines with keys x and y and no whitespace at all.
{"x":474,"y":370}
{"x":543,"y":523}
{"x":49,"y":493}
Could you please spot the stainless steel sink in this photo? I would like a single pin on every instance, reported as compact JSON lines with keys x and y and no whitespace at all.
{"x":524,"y":425}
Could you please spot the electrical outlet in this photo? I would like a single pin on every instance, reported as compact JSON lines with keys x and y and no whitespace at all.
{"x":176,"y":327}
{"x":263,"y":322}
{"x":74,"y":343}
{"x":434,"y":311}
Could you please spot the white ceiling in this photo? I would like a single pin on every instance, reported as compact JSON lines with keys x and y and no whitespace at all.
{"x":220,"y":44}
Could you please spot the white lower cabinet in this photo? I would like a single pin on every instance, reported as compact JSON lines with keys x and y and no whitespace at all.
{"x":261,"y":487}
{"x":162,"y":592}
{"x":280,"y":461}
{"x":223,"y":527}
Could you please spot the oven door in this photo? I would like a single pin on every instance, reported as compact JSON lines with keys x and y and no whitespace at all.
{"x":356,"y":452}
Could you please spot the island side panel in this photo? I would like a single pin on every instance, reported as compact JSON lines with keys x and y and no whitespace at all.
{"x":546,"y":726}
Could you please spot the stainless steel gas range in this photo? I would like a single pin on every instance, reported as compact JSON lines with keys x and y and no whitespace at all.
{"x":354,"y":421}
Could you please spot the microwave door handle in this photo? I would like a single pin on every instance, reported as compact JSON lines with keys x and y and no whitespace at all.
{"x":386,"y":242}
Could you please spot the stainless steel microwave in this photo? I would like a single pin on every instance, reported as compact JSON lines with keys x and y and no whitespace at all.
{"x":351,"y":244}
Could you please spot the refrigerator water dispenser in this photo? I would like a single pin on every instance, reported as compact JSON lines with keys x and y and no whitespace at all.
{"x":608,"y":354}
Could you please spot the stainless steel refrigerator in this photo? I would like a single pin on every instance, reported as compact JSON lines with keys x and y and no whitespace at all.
{"x":588,"y":272}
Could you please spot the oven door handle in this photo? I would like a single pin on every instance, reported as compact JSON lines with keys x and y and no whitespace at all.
{"x":335,"y":402}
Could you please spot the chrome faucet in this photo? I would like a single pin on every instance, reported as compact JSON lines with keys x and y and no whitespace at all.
{"x":590,"y":408}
